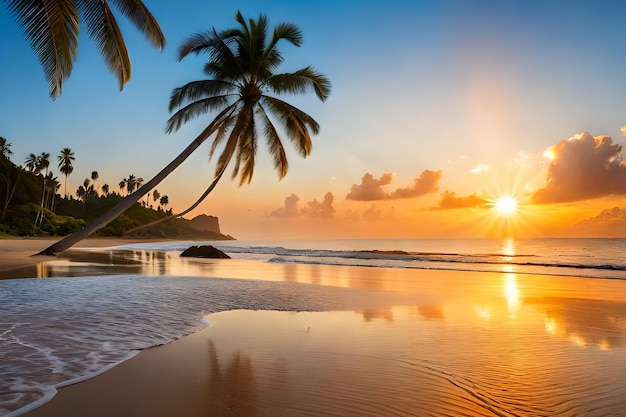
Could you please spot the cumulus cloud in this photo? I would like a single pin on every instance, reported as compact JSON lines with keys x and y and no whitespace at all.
{"x":371,"y":189}
{"x":323,"y":209}
{"x":583,"y":167}
{"x":450,"y":201}
{"x":289,"y":210}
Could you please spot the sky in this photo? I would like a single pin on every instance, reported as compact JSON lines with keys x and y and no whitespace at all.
{"x":437,"y":111}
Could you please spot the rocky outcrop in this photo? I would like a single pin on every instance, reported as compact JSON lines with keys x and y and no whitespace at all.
{"x":206,"y":223}
{"x":205,"y":251}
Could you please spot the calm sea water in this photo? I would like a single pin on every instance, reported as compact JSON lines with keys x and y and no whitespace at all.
{"x":99,"y":308}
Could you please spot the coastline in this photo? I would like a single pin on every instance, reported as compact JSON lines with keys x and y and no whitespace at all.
{"x":219,"y":369}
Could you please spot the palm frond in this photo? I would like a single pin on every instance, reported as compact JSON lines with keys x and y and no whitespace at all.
{"x":282,"y":109}
{"x":194,"y":109}
{"x":196,"y":90}
{"x":295,"y":122}
{"x":247,"y":147}
{"x":223,"y":128}
{"x":274,"y":144}
{"x":52,"y":28}
{"x":143,"y":20}
{"x":103,"y":29}
{"x":300,"y":82}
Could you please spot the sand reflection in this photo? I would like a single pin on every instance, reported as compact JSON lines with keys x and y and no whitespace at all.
{"x":231,"y":390}
{"x":584,"y":322}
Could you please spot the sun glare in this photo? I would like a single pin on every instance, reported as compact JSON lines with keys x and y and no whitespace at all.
{"x":506,"y":205}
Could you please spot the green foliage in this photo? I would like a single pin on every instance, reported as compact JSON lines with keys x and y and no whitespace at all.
{"x":20,"y":205}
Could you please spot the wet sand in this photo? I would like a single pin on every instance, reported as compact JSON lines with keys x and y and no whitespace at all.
{"x":460,"y":343}
{"x":17,"y":258}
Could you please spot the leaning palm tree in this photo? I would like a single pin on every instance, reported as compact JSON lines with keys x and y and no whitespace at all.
{"x":65,"y":164}
{"x":53,"y":29}
{"x":243,"y":86}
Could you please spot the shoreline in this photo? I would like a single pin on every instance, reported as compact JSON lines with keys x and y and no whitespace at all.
{"x":17,"y":255}
{"x":177,"y":378}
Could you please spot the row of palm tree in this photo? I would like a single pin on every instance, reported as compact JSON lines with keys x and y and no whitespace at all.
{"x":243,"y":86}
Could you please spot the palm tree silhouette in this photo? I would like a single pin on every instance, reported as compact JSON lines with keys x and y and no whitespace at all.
{"x":53,"y":29}
{"x":65,"y":164}
{"x":243,"y":86}
{"x":5,"y":148}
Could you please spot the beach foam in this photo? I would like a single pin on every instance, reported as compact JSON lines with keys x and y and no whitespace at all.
{"x":54,"y":332}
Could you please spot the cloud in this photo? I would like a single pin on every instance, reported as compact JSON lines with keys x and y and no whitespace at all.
{"x":610,"y":222}
{"x":322,"y":210}
{"x":480,"y":168}
{"x":313,"y":208}
{"x":583,"y":167}
{"x":427,"y":182}
{"x":450,"y":201}
{"x":289,"y":210}
{"x":372,"y":213}
{"x":371,"y":189}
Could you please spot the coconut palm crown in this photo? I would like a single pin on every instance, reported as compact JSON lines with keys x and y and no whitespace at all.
{"x":243,"y":86}
{"x":53,"y":29}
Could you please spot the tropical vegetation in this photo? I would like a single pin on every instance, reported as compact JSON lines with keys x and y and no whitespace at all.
{"x":32,"y":205}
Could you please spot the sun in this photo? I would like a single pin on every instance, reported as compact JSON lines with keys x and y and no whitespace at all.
{"x":506,"y":205}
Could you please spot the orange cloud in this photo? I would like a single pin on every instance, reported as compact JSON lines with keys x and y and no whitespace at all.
{"x":371,"y":189}
{"x":289,"y":210}
{"x":610,"y":222}
{"x":583,"y":167}
{"x":322,"y":210}
{"x":313,"y":208}
{"x":450,"y":201}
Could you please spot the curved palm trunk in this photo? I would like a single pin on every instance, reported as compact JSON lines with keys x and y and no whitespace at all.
{"x":127,"y":202}
{"x":182,"y":213}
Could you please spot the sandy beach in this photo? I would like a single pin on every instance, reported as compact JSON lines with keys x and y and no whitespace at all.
{"x":375,"y":342}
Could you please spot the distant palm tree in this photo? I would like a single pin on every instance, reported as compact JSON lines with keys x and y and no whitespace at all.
{"x":5,"y":148}
{"x":243,"y":86}
{"x":105,"y":189}
{"x":65,"y":164}
{"x":52,"y":185}
{"x":43,"y":162}
{"x":164,"y":201}
{"x":53,"y":29}
{"x":156,"y":195}
{"x":32,"y":163}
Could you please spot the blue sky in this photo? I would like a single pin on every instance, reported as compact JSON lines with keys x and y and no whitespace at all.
{"x":417,"y":85}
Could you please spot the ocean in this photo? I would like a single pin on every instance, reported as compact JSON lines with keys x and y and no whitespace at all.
{"x":557,"y":299}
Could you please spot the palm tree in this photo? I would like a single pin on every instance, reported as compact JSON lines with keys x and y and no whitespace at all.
{"x":105,"y":189}
{"x":53,"y":29}
{"x":43,"y":162}
{"x":94,"y":178}
{"x":31,"y":163}
{"x":164,"y":201}
{"x":5,"y":148}
{"x":65,"y":164}
{"x":242,"y":69}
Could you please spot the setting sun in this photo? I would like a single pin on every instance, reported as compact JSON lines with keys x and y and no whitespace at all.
{"x":506,"y":205}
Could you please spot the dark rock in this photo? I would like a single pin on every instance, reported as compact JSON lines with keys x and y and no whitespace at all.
{"x":205,"y":251}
